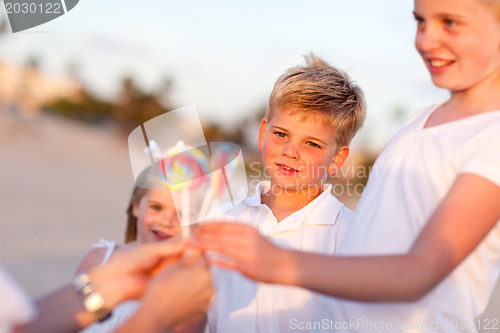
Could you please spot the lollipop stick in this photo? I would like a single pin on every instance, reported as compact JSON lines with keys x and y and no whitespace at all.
{"x":226,"y":183}
{"x":185,"y":213}
{"x":206,"y":204}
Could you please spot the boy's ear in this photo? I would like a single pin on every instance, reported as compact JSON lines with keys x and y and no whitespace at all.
{"x":135,"y":210}
{"x":338,"y":160}
{"x":262,"y":133}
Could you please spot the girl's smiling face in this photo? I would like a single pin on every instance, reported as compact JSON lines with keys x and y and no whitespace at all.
{"x":459,"y":41}
{"x":156,"y":216}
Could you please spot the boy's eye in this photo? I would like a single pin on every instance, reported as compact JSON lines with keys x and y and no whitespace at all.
{"x":280,"y":134}
{"x":313,"y":144}
{"x":448,"y":22}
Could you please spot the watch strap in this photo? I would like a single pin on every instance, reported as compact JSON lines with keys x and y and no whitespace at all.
{"x":92,"y":300}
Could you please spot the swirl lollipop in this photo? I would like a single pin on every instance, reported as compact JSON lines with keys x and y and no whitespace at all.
{"x":223,"y":156}
{"x":184,"y":170}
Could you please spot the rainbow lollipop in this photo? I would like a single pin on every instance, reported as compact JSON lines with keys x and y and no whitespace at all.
{"x":223,"y":156}
{"x":184,"y":168}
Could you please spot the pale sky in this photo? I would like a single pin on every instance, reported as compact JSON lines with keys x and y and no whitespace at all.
{"x":224,"y":56}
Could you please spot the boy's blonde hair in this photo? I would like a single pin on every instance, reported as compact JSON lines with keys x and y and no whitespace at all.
{"x":319,"y":89}
{"x":495,"y":5}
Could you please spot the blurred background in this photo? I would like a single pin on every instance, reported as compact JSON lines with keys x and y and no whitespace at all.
{"x":71,"y":91}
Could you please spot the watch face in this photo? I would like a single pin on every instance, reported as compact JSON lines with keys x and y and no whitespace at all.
{"x":93,"y":302}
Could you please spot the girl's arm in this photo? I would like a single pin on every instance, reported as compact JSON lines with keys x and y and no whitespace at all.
{"x":462,"y":220}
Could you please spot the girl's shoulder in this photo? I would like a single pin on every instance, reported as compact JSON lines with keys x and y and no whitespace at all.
{"x":97,"y":256}
{"x":92,"y":259}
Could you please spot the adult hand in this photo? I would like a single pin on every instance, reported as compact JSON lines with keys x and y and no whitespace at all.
{"x":127,"y":273}
{"x":179,"y":293}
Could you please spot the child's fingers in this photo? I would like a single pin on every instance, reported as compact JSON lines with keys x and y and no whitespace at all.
{"x":225,"y":232}
{"x":225,"y":227}
{"x":175,"y":250}
{"x":172,"y":247}
{"x":238,"y":246}
{"x":144,"y":257}
{"x":233,"y":245}
{"x":223,"y":263}
{"x":192,"y":255}
{"x":159,"y":250}
{"x":233,"y":254}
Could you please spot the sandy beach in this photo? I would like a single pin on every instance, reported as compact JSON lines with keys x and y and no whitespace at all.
{"x":64,"y":185}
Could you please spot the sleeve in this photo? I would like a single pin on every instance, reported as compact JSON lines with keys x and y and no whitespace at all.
{"x":17,"y":308}
{"x":110,"y":248}
{"x":482,"y":156}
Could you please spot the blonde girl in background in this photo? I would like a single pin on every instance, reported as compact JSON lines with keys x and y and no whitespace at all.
{"x":151,"y":217}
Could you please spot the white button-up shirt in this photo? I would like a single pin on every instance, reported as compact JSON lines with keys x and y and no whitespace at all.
{"x":243,"y":305}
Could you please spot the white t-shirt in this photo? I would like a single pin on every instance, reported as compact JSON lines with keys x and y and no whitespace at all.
{"x":16,"y":308}
{"x":407,"y":183}
{"x":243,"y":305}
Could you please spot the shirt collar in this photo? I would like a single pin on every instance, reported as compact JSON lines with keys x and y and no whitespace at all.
{"x":310,"y":214}
{"x":255,"y":199}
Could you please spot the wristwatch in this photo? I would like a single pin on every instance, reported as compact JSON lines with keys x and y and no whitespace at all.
{"x":91,"y":298}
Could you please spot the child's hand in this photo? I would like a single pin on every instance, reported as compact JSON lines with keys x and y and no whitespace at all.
{"x":244,"y":249}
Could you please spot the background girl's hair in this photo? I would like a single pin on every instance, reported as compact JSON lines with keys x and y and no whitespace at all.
{"x":131,"y":229}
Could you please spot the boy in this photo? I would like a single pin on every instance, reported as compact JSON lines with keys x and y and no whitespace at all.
{"x":313,"y":113}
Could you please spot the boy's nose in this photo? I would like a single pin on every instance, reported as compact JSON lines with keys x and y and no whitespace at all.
{"x":290,"y":150}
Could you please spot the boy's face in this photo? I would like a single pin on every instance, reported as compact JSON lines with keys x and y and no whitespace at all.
{"x":299,"y":153}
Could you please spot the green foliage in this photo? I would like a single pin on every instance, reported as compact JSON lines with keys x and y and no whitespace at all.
{"x":132,"y":108}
